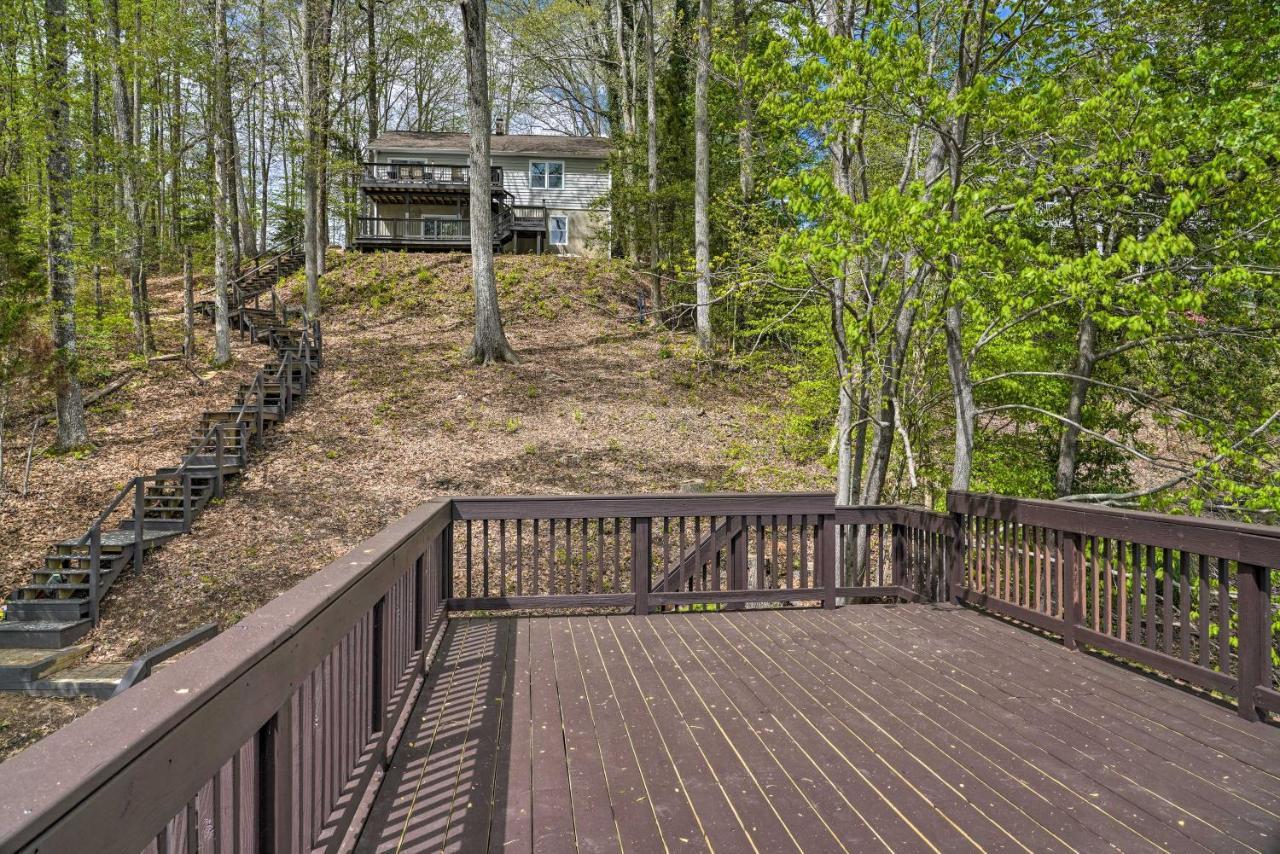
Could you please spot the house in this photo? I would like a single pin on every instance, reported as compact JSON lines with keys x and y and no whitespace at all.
{"x":549,"y":193}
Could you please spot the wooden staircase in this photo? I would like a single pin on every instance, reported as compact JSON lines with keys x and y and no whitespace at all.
{"x":46,"y":617}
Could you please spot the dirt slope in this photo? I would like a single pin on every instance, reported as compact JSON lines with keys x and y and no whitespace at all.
{"x":598,"y":404}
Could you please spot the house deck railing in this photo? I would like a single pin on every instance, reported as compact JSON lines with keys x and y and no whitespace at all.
{"x":444,"y":230}
{"x":277,"y":732}
{"x":425,"y":174}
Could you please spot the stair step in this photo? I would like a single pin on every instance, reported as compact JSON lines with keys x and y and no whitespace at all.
{"x":19,"y":667}
{"x":46,"y":609}
{"x":42,"y":634}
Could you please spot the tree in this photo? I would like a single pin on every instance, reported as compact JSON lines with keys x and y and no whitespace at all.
{"x":317,"y":38}
{"x":124,"y":110}
{"x":72,"y":431}
{"x":224,"y":239}
{"x":490,"y":342}
{"x":702,"y":178}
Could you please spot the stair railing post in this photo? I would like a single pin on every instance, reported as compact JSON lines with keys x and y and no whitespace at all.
{"x":260,"y":384}
{"x":139,"y":507}
{"x":95,"y":563}
{"x":217,"y":460}
{"x":186,"y":501}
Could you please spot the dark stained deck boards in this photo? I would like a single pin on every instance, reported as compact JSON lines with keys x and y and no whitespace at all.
{"x":866,"y":728}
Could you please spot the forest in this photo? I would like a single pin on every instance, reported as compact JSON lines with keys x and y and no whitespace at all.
{"x":1026,"y":247}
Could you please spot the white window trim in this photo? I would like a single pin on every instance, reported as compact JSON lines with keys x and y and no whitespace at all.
{"x":551,"y":230}
{"x":547,"y":163}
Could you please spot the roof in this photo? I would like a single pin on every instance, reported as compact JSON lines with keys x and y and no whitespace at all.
{"x":511,"y":143}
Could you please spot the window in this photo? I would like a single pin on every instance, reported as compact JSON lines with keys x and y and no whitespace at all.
{"x":558,"y":230}
{"x":546,"y":175}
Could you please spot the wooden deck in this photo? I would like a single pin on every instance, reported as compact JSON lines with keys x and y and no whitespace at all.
{"x":906,"y":728}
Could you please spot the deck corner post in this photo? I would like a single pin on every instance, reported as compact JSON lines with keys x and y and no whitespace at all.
{"x":957,"y":552}
{"x":640,"y":563}
{"x":827,"y":559}
{"x":1252,"y":583}
{"x":1073,"y":606}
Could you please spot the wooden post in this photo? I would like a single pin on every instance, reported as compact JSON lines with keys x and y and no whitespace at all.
{"x":1073,"y":610}
{"x":186,"y":501}
{"x":899,"y":556}
{"x":95,"y":563}
{"x":139,"y":507}
{"x":640,"y":556}
{"x":957,"y":550}
{"x":1254,"y":650}
{"x":217,"y":461}
{"x":826,"y":559}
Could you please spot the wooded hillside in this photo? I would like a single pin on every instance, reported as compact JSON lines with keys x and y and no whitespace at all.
{"x":1026,"y":247}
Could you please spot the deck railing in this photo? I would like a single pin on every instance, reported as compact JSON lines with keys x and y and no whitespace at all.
{"x":273,"y":735}
{"x":426,"y":174}
{"x":428,"y":230}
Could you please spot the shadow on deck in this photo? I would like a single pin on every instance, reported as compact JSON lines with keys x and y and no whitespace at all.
{"x":902,"y":727}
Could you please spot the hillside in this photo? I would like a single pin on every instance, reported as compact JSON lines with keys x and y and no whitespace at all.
{"x":598,"y":404}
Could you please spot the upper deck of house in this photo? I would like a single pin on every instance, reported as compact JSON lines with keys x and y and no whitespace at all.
{"x":708,"y":672}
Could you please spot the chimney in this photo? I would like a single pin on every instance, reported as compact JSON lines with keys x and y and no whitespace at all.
{"x":499,"y":126}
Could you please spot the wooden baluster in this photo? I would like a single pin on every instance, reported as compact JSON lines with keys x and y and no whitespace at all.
{"x":1204,"y":603}
{"x":519,"y":557}
{"x":275,"y":821}
{"x":537,"y":582}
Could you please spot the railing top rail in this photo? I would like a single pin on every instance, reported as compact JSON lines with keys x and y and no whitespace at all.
{"x":627,"y":506}
{"x":1219,"y":537}
{"x":125,"y":490}
{"x":176,"y":729}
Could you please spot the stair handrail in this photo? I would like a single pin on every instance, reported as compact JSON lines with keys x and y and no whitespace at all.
{"x":277,"y":253}
{"x":94,"y":538}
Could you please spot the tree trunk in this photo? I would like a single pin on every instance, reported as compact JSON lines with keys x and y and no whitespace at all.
{"x":962,"y":393}
{"x":490,"y":342}
{"x":1069,"y":442}
{"x":317,"y":31}
{"x":72,"y":431}
{"x":127,"y":167}
{"x":188,"y":306}
{"x":651,"y":153}
{"x":746,"y":173}
{"x":223,"y":240}
{"x":702,"y":179}
{"x":371,"y":68}
{"x":95,"y":193}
